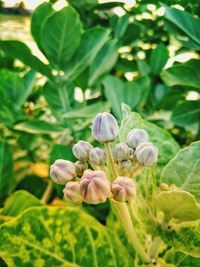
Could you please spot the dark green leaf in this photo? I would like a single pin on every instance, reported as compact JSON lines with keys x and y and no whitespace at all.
{"x":119,"y":25}
{"x":158,"y":58}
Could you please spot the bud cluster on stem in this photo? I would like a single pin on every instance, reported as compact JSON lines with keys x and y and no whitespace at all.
{"x":102,"y":173}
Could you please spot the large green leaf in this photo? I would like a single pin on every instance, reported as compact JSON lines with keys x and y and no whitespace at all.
{"x":61,"y":35}
{"x":183,"y":170}
{"x":104,"y":61}
{"x":6,"y":169}
{"x":18,"y":202}
{"x":58,"y":236}
{"x":158,"y":58}
{"x":181,"y":259}
{"x":92,"y":41}
{"x":184,"y":74}
{"x":185,"y":21}
{"x":40,"y":14}
{"x":19,"y":50}
{"x":178,"y":204}
{"x":186,"y":113}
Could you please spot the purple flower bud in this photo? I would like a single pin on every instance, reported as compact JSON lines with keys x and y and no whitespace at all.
{"x":146,"y":154}
{"x":105,"y":127}
{"x":81,"y":166}
{"x":137,"y":136}
{"x":97,"y":156}
{"x":81,"y":150}
{"x":121,"y":152}
{"x":123,"y":189}
{"x":72,"y":192}
{"x":62,"y":171}
{"x":95,"y":187}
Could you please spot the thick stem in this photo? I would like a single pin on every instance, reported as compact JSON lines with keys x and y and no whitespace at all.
{"x":110,"y":159}
{"x":47,"y":193}
{"x":130,"y":231}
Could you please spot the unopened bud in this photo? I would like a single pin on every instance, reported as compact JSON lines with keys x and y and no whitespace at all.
{"x":146,"y":154}
{"x":123,"y":189}
{"x":126,"y":166}
{"x":97,"y":157}
{"x":72,"y":192}
{"x":105,"y":127}
{"x":164,"y":187}
{"x":81,"y":150}
{"x":137,"y":136}
{"x":121,"y":152}
{"x":95,"y":187}
{"x":62,"y":171}
{"x":81,"y":166}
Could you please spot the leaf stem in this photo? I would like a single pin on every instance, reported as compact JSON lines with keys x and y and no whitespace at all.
{"x":47,"y":193}
{"x":110,"y":159}
{"x":130,"y":231}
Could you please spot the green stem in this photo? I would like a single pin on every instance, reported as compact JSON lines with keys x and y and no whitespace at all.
{"x":110,"y":159}
{"x":130,"y":231}
{"x":47,"y":193}
{"x":155,"y":248}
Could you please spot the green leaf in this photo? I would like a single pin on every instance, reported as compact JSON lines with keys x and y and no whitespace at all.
{"x":58,"y":236}
{"x":19,"y":50}
{"x":119,"y":25}
{"x":186,"y":113}
{"x":61,"y":35}
{"x":7,"y":181}
{"x":61,"y":152}
{"x":92,"y":41}
{"x":185,"y":21}
{"x":184,"y":74}
{"x":114,"y":93}
{"x":7,"y":116}
{"x":158,"y":58}
{"x":37,"y":127}
{"x":183,"y":170}
{"x":181,"y":259}
{"x":104,"y":61}
{"x":178,"y":204}
{"x":18,"y":202}
{"x":40,"y":15}
{"x":57,"y":98}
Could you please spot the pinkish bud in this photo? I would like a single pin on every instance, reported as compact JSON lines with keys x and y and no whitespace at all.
{"x":105,"y":127}
{"x":95,"y":187}
{"x":81,"y":150}
{"x":123,"y":189}
{"x":62,"y":171}
{"x":146,"y":154}
{"x":121,"y":152}
{"x":72,"y":192}
{"x":137,"y":136}
{"x":81,"y":166}
{"x":97,"y":156}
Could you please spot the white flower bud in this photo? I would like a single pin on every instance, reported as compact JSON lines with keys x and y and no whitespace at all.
{"x":105,"y":127}
{"x":62,"y":171}
{"x":123,"y":189}
{"x":81,"y":150}
{"x":126,"y":166}
{"x":146,"y":154}
{"x":72,"y":192}
{"x":137,"y":136}
{"x":121,"y":152}
{"x":95,"y":187}
{"x":81,"y":166}
{"x":97,"y":156}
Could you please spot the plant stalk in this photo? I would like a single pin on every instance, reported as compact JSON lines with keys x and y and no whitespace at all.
{"x":110,"y":158}
{"x":130,"y":231}
{"x":47,"y":193}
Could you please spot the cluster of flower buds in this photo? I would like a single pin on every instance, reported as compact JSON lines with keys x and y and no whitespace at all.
{"x":101,"y":173}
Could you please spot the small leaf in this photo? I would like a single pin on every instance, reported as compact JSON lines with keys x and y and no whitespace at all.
{"x":186,"y":113}
{"x":119,"y":25}
{"x":18,"y":202}
{"x":61,"y":35}
{"x":59,"y":236}
{"x":178,"y":204}
{"x":183,"y":170}
{"x":158,"y":58}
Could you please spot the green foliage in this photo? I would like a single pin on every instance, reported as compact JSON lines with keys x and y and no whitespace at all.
{"x":62,"y":237}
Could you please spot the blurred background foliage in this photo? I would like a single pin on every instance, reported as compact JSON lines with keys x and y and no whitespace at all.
{"x":59,"y":68}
